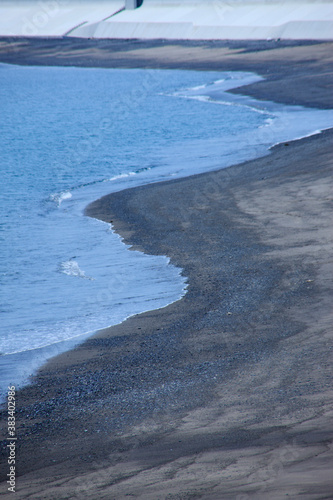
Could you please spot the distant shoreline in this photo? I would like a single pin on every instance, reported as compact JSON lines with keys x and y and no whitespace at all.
{"x":271,"y":59}
{"x":225,"y":393}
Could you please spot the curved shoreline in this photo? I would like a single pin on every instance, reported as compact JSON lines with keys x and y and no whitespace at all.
{"x":224,"y":392}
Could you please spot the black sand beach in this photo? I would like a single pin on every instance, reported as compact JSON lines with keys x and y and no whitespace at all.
{"x":225,"y":394}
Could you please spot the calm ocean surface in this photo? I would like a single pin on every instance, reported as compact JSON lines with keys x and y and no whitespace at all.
{"x":71,"y":135}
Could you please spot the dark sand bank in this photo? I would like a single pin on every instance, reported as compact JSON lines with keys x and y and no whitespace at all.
{"x":225,"y":394}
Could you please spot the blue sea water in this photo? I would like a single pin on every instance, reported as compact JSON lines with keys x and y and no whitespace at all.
{"x":71,"y":135}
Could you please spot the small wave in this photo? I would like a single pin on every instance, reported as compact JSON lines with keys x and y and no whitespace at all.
{"x":252,"y":107}
{"x":213,"y":100}
{"x":203,"y":98}
{"x":198,"y":87}
{"x":222,"y":80}
{"x":128,"y":174}
{"x":268,"y":123}
{"x":120,"y":176}
{"x":58,"y":198}
{"x":72,"y":268}
{"x":207,"y":86}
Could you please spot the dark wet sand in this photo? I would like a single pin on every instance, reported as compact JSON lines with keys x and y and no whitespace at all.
{"x":225,"y":394}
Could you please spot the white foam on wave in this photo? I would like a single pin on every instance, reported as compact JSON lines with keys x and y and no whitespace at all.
{"x":58,"y":198}
{"x":231,"y":80}
{"x":268,"y":123}
{"x":207,"y":85}
{"x":120,"y":176}
{"x":72,"y":268}
{"x":207,"y":98}
{"x":198,"y":87}
{"x":202,"y":98}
